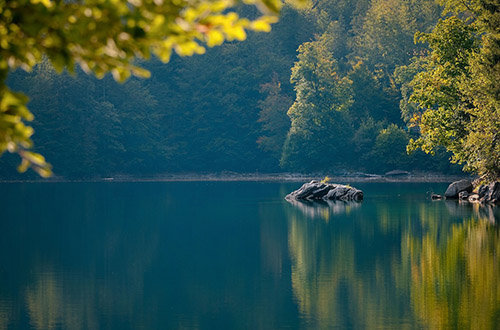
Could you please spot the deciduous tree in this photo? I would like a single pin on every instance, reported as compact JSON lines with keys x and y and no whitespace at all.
{"x":457,"y":92}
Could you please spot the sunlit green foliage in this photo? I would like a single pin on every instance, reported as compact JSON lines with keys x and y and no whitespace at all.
{"x":437,"y":89}
{"x":384,"y":37}
{"x":367,"y":42}
{"x":105,"y":36}
{"x":457,"y":91}
{"x":319,"y":115}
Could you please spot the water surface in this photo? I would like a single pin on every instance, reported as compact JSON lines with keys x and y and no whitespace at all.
{"x":236,"y":255}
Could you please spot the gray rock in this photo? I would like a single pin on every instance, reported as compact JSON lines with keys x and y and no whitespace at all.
{"x":306,"y":190}
{"x":330,"y":195}
{"x":315,"y":190}
{"x":463,"y":195}
{"x":473,"y":198}
{"x":456,"y":187}
{"x":482,"y":191}
{"x":495,"y":192}
{"x":492,"y":194}
{"x":339,"y":192}
{"x":320,"y":192}
{"x":354,"y":195}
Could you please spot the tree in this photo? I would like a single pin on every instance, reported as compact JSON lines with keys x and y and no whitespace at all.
{"x":101,"y":37}
{"x":364,"y":139}
{"x":457,"y":92}
{"x":384,"y":37}
{"x":369,"y":96}
{"x":272,"y":115}
{"x":320,"y":122}
{"x":443,"y":116}
{"x":483,"y":141}
{"x":389,"y":150}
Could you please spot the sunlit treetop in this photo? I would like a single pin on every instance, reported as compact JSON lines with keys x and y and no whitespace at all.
{"x":457,"y":91}
{"x":104,"y":36}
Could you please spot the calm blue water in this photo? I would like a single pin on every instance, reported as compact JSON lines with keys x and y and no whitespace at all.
{"x":236,"y":255}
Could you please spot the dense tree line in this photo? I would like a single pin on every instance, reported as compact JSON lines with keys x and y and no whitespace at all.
{"x":321,"y":92}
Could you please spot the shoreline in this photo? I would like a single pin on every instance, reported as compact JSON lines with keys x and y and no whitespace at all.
{"x":253,"y":177}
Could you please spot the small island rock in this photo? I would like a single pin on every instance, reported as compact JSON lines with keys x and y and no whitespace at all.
{"x":315,"y":190}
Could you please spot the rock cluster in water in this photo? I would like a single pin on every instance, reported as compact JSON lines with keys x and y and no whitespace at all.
{"x":316,"y":190}
{"x":463,"y":190}
{"x":455,"y":188}
{"x":489,"y":193}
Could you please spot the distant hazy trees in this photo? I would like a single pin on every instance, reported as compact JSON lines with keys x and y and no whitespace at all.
{"x":102,"y":37}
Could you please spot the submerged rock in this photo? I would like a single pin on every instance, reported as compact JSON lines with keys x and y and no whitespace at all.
{"x":457,"y":187}
{"x":315,"y":190}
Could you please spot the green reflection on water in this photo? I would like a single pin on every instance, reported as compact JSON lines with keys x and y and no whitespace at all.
{"x":396,"y":263}
{"x":454,"y":271}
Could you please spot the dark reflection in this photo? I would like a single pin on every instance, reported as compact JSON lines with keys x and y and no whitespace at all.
{"x":143,"y":256}
{"x":465,"y":209}
{"x":70,"y":255}
{"x":324,"y":209}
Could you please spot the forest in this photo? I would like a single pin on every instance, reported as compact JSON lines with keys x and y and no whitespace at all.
{"x":337,"y":86}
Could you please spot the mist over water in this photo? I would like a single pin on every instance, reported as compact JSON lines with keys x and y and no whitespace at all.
{"x":230,"y":255}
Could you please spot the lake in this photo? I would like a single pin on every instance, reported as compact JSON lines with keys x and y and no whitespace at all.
{"x":236,"y":255}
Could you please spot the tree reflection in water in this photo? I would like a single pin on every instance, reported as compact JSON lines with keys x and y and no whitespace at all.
{"x":396,"y":264}
{"x":323,"y":209}
{"x":455,"y":270}
{"x":127,"y":258}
